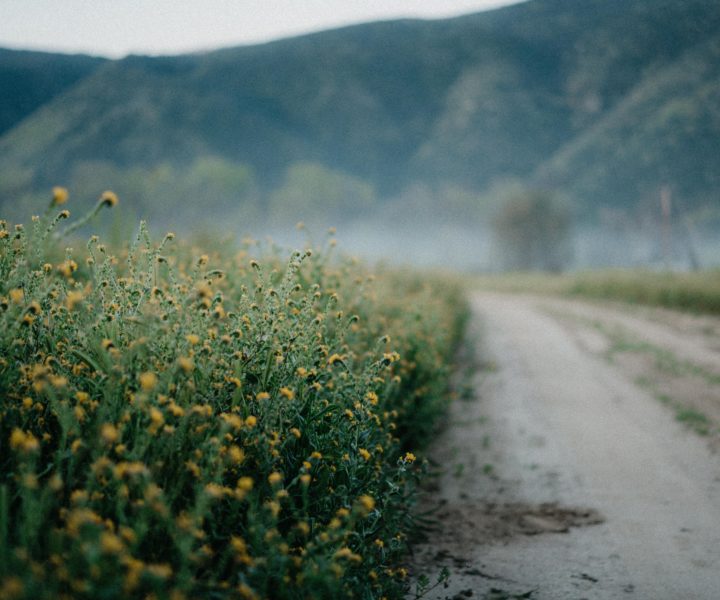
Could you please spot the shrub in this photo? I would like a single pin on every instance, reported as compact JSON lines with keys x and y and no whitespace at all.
{"x":183,"y":424}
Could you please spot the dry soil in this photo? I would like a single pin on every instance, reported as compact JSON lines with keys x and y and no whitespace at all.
{"x":576,"y":468}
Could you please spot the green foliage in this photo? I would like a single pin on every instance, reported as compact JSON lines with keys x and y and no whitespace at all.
{"x":695,"y":291}
{"x":698,"y":292}
{"x":205,"y":192}
{"x":210,"y":425}
{"x":319,"y":196}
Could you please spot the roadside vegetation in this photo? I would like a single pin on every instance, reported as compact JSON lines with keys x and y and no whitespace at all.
{"x":218,"y":422}
{"x":692,"y":291}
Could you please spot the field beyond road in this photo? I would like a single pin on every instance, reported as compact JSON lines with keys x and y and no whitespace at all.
{"x":576,"y":469}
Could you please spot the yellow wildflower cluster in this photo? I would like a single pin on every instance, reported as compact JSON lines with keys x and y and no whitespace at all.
{"x":179,"y":423}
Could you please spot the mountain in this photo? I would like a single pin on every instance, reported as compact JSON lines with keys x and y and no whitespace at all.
{"x":30,"y":79}
{"x":665,"y":131}
{"x":603,"y":101}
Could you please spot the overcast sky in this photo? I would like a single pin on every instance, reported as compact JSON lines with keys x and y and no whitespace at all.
{"x":119,"y":27}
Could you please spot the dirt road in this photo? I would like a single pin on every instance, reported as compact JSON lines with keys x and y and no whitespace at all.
{"x":577,"y":468}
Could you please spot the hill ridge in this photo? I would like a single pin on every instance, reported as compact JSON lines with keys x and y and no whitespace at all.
{"x":542,"y":92}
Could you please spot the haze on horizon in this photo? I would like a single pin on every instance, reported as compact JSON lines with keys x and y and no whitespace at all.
{"x":115,"y":29}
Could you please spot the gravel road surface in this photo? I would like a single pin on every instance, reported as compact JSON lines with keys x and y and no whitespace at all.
{"x":575,"y":469}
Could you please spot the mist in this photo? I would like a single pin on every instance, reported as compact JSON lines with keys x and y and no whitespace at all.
{"x":505,"y":140}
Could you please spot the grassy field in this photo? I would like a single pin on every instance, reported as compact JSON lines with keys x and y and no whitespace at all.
{"x":696,"y":292}
{"x":230,"y":422}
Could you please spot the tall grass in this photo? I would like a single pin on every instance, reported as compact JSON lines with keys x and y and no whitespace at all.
{"x":698,"y":292}
{"x":695,"y":291}
{"x":181,"y":424}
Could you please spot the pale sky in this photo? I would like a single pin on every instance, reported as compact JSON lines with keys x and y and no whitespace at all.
{"x":119,"y":27}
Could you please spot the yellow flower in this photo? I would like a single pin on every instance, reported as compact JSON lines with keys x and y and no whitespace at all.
{"x":127,"y":534}
{"x":233,"y":420}
{"x":17,"y":438}
{"x":193,"y":468}
{"x":156,"y":417}
{"x":109,"y":433}
{"x":27,"y":442}
{"x":68,"y":267}
{"x":59,"y":195}
{"x":148,"y":381}
{"x":409,"y":457}
{"x":236,"y":454}
{"x":161,"y":571}
{"x":245,"y":484}
{"x":287,"y":393}
{"x":238,"y":544}
{"x":262,"y":396}
{"x":12,"y":587}
{"x":58,"y":381}
{"x":364,"y":453}
{"x":186,"y":364}
{"x":372,"y":398}
{"x":367,"y":502}
{"x":17,"y":295}
{"x":79,"y":497}
{"x":246,"y":592}
{"x":108,"y":198}
{"x":296,"y":432}
{"x":79,"y":413}
{"x":251,"y":421}
{"x":303,"y":527}
{"x":110,"y":543}
{"x":214,"y":490}
{"x":345,"y":552}
{"x":335,"y":358}
{"x":175,"y":410}
{"x":391,"y":356}
{"x":273,"y":507}
{"x":275,"y":478}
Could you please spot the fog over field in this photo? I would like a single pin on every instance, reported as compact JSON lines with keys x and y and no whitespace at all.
{"x":543,"y":135}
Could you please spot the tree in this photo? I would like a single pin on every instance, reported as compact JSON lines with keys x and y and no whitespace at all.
{"x":532,"y":232}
